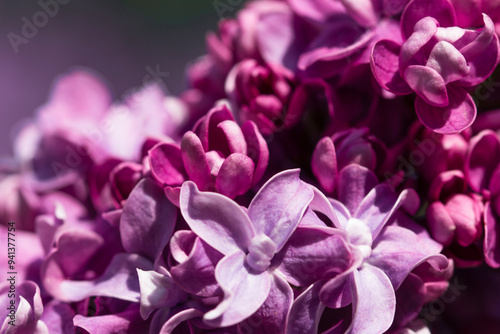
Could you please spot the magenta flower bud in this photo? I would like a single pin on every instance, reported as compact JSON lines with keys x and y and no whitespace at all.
{"x":261,"y":95}
{"x":218,"y":155}
{"x":354,"y":146}
{"x":453,"y":215}
{"x":438,"y":64}
{"x":432,"y":153}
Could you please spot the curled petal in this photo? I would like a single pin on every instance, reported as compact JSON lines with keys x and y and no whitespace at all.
{"x":235,"y":175}
{"x":448,"y":62}
{"x":384,"y":63}
{"x":398,"y":251}
{"x":166,"y":164}
{"x":256,"y":149}
{"x":148,"y":220}
{"x":482,"y":54}
{"x":454,"y":118}
{"x":324,"y":164}
{"x":196,"y":273}
{"x":234,"y":136}
{"x":421,"y":33}
{"x":306,"y":312}
{"x":195,"y":161}
{"x":428,"y":84}
{"x":354,"y":183}
{"x":380,"y":204}
{"x":482,"y":159}
{"x":374,"y":301}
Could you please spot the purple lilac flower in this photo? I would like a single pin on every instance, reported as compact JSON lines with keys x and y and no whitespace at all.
{"x":218,"y":155}
{"x":383,"y":258}
{"x":438,"y":62}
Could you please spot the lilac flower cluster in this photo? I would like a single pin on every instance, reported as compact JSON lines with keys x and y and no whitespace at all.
{"x":324,"y":172}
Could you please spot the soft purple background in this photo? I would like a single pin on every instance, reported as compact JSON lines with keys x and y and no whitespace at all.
{"x":118,"y":39}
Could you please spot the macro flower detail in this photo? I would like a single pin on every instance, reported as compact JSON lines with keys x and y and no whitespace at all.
{"x":377,"y":246}
{"x":218,"y":156}
{"x":248,"y":240}
{"x":331,"y":166}
{"x":438,"y":62}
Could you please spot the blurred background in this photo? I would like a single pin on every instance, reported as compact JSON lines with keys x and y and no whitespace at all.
{"x":123,"y":40}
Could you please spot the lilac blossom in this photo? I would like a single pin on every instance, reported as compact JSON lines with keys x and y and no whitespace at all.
{"x":355,"y":146}
{"x":454,"y":217}
{"x":383,"y":254}
{"x":249,"y":242}
{"x":218,"y":155}
{"x":438,"y":62}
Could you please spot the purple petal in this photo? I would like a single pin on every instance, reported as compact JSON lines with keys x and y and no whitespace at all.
{"x":157,"y":291}
{"x":374,"y":302}
{"x":324,"y":164}
{"x":306,"y":312}
{"x":322,"y":204}
{"x":454,"y":118}
{"x":428,"y":84}
{"x":256,"y":149}
{"x":271,"y":317}
{"x":448,"y":62}
{"x":195,"y":161}
{"x":244,"y":292}
{"x":424,"y":31}
{"x":196,"y":274}
{"x":235,"y":175}
{"x":410,"y":298}
{"x":441,"y":10}
{"x":341,"y":212}
{"x":380,"y":204}
{"x":277,"y":40}
{"x":118,"y":281}
{"x":148,"y":220}
{"x":166,"y":164}
{"x":28,"y":308}
{"x":312,"y":254}
{"x":482,"y":159}
{"x":354,"y":183}
{"x":128,"y":321}
{"x":216,"y":219}
{"x":482,"y":54}
{"x":58,"y":317}
{"x":234,"y":136}
{"x":279,"y":205}
{"x":440,"y":223}
{"x":384,"y":63}
{"x":208,"y":125}
{"x":398,"y":251}
{"x":491,"y":237}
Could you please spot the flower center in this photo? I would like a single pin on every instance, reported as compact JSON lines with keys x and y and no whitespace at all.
{"x":260,"y":253}
{"x":360,"y":236}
